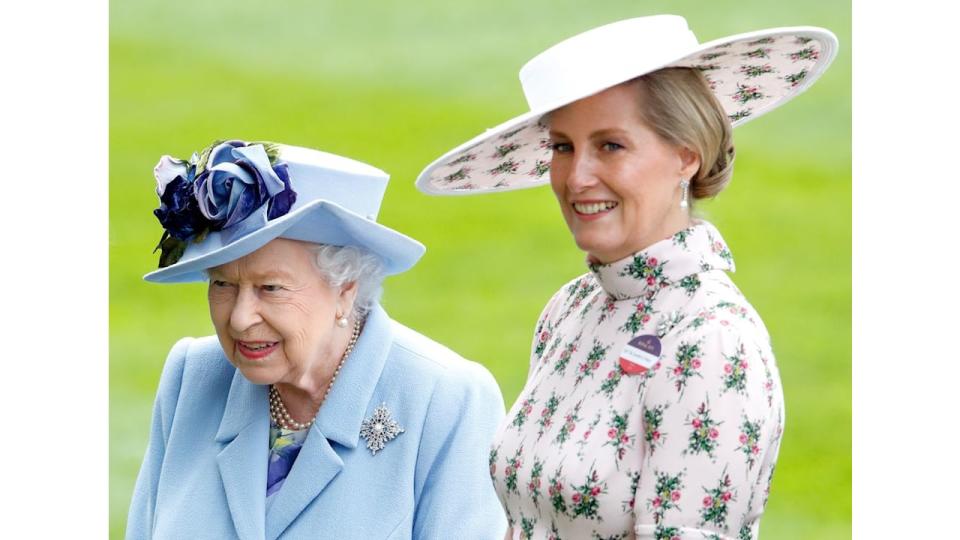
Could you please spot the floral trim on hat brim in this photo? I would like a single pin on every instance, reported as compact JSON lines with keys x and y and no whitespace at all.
{"x":751,"y":74}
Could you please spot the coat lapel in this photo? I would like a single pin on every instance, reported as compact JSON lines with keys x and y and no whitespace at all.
{"x":346,"y":407}
{"x":316,"y":465}
{"x":245,"y":431}
{"x":337,"y":425}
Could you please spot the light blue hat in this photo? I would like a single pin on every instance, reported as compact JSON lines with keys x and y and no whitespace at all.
{"x":234,"y":197}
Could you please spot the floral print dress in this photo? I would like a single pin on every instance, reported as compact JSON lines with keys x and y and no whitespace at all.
{"x":653,"y":406}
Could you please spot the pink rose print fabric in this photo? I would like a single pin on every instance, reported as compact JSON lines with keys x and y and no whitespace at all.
{"x":681,"y":444}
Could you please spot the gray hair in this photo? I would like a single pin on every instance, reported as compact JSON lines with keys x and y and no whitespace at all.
{"x":342,"y":264}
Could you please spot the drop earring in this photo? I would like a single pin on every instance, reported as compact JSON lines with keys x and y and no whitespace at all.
{"x":684,"y":184}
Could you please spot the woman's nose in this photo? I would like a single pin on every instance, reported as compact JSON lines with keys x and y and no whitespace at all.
{"x":246,"y":311}
{"x":582,"y":173}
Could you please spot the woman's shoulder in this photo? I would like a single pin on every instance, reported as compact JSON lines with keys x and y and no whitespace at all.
{"x":426,"y":356}
{"x":194,"y":361}
{"x":718,"y":337}
{"x":193,"y":353}
{"x":419,"y":358}
{"x":584,"y":282}
{"x":719,"y":309}
{"x":197,"y":349}
{"x":573,"y":291}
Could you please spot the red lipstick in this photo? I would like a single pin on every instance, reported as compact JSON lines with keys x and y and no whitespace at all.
{"x":259,"y":351}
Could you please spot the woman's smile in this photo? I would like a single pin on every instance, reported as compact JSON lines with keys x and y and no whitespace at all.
{"x":255,"y":350}
{"x":590,"y":210}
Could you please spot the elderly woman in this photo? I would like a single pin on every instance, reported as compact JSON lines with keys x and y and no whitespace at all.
{"x":311,"y":414}
{"x":653,"y":406}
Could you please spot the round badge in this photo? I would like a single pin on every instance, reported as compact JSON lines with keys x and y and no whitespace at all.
{"x":640,"y":354}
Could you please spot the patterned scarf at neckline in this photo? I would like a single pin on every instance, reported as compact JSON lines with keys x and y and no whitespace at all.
{"x":285,"y":446}
{"x":671,"y":261}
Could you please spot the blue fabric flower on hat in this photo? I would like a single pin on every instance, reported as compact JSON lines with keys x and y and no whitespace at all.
{"x":179,"y":213}
{"x":238,"y":179}
{"x":216,"y":190}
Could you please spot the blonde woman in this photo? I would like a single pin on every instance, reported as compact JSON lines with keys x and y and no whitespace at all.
{"x":653,"y":406}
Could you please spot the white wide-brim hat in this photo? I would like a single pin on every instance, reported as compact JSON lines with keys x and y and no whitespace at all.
{"x":337,"y":202}
{"x":751,"y":74}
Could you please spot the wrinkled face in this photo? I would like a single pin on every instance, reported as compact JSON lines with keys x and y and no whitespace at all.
{"x":274,"y":314}
{"x":617,"y":182}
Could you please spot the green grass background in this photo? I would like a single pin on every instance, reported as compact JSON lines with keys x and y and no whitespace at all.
{"x":396,"y":84}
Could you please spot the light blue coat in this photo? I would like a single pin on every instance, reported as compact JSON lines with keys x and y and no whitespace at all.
{"x":205,"y":470}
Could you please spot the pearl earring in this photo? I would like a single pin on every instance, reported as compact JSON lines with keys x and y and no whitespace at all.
{"x":684,"y":184}
{"x":342,"y":321}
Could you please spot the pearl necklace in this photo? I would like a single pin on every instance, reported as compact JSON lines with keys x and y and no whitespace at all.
{"x":278,"y":412}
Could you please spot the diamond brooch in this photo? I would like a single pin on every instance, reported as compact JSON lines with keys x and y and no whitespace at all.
{"x":379,"y":429}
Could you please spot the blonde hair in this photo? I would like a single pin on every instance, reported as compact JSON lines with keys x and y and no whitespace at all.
{"x":679,"y":106}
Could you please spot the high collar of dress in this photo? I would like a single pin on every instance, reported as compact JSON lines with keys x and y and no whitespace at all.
{"x":698,"y":248}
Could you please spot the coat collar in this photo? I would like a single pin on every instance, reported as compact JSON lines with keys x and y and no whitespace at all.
{"x":245,"y":425}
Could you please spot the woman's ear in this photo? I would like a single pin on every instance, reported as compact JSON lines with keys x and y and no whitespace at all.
{"x":689,"y":162}
{"x":348,"y":295}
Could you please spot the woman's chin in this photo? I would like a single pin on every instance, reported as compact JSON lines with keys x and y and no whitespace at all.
{"x":260,"y":371}
{"x":601,"y":250}
{"x":258,"y":375}
{"x":595,"y":237}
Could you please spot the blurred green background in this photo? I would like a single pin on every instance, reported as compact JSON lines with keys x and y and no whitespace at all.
{"x":396,"y":84}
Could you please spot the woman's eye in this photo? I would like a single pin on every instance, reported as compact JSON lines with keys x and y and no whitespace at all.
{"x":271,"y":288}
{"x":611,"y":146}
{"x":219,"y":283}
{"x":561,"y":147}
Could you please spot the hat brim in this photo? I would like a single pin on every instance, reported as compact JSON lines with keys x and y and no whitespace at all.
{"x":751,"y":74}
{"x":321,"y":222}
